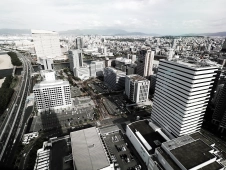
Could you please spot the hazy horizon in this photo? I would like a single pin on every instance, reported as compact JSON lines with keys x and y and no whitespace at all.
{"x":163,"y":17}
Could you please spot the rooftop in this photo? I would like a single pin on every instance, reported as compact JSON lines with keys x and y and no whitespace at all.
{"x":115,"y":70}
{"x":200,"y":154}
{"x":54,"y":83}
{"x":153,"y":138}
{"x":136,"y":77}
{"x":198,"y":135}
{"x":195,"y":63}
{"x":87,"y":150}
{"x":168,"y":159}
{"x":213,"y":166}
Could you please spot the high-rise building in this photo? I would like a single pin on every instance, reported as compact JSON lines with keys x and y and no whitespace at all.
{"x":224,"y":46}
{"x":78,"y":43}
{"x":217,"y":94}
{"x":181,"y":94}
{"x":219,"y":115}
{"x":47,"y":45}
{"x":114,"y":78}
{"x":145,"y":63}
{"x":75,"y":59}
{"x":137,"y":88}
{"x":51,"y":93}
{"x":171,"y":53}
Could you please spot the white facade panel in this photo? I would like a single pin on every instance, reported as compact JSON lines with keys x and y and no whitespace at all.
{"x":181,"y":95}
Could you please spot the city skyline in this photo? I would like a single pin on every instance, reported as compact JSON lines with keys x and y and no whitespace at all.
{"x":149,"y":16}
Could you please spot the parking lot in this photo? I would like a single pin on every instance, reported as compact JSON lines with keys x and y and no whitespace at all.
{"x":120,"y":152}
{"x":98,"y":87}
{"x":50,"y":120}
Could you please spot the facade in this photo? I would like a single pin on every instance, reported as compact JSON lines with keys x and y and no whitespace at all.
{"x":152,"y":83}
{"x":51,"y":93}
{"x":131,"y":69}
{"x":114,"y":78}
{"x":182,"y":93}
{"x":78,"y":43}
{"x":132,"y":57}
{"x":219,"y":115}
{"x":47,"y":44}
{"x":137,"y":88}
{"x":75,"y":59}
{"x":96,"y":68}
{"x":217,"y":94}
{"x":121,"y":63}
{"x":145,"y":63}
{"x":171,"y":53}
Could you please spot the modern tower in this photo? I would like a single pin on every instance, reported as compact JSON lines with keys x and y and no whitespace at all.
{"x":181,"y":95}
{"x":137,"y":88}
{"x":145,"y":63}
{"x":75,"y":59}
{"x":78,"y":43}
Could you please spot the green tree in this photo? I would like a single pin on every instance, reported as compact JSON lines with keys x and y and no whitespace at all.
{"x":14,"y":59}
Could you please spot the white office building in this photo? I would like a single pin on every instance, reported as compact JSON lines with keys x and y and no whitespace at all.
{"x":137,"y":88}
{"x":181,"y":95}
{"x":51,"y":93}
{"x":47,"y":45}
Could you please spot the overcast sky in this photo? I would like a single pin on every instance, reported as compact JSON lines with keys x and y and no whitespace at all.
{"x":149,"y":16}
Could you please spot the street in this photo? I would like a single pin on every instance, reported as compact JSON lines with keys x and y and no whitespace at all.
{"x":10,"y":135}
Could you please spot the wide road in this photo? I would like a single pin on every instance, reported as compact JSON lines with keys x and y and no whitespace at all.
{"x":13,"y":130}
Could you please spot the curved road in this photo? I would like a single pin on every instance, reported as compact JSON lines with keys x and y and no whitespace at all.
{"x":13,"y":130}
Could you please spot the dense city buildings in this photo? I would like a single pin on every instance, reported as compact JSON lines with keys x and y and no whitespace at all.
{"x":181,"y":95}
{"x":153,"y":89}
{"x":137,"y":88}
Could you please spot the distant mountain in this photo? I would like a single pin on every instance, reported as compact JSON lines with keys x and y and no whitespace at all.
{"x":207,"y":34}
{"x":102,"y":32}
{"x":14,"y":31}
